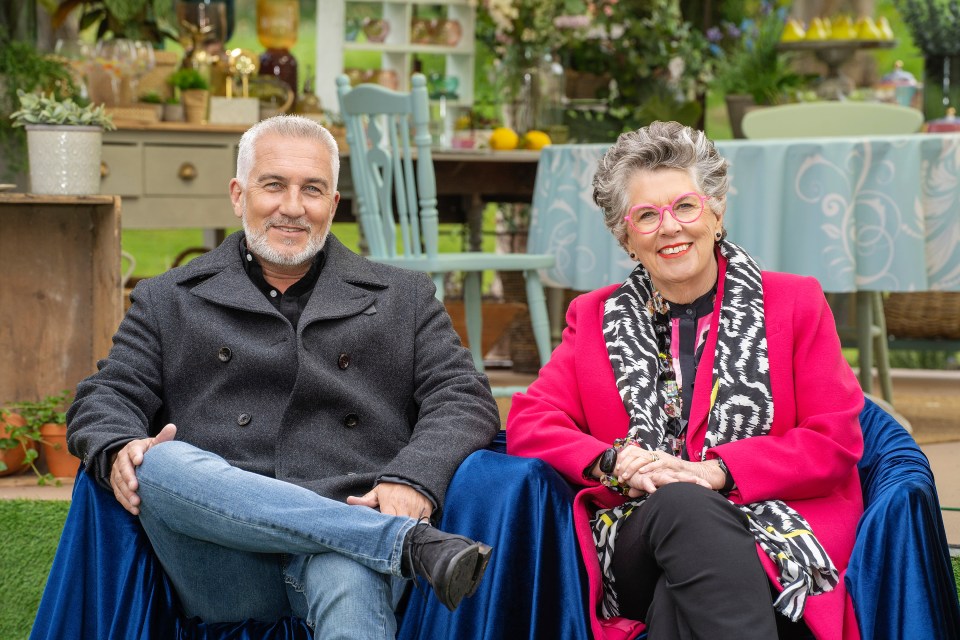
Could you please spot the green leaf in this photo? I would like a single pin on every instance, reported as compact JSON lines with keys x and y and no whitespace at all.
{"x":125,"y":10}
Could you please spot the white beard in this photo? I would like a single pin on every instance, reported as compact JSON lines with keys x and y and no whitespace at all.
{"x":259,"y":244}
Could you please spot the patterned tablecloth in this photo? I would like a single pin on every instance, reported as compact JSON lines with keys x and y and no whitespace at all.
{"x":859,"y":214}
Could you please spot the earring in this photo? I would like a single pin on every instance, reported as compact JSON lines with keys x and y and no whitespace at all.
{"x":719,"y":235}
{"x":633,"y":256}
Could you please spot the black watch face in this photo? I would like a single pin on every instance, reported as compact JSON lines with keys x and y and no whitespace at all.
{"x":608,"y":460}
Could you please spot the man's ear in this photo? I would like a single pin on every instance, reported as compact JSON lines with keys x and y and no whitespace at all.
{"x":236,"y":197}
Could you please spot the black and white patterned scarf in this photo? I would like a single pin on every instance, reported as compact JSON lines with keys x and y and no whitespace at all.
{"x":741,"y":407}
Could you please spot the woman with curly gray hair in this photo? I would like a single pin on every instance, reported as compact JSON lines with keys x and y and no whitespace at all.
{"x":703,"y":512}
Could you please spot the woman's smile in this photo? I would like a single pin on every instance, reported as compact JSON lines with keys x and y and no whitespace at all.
{"x":673,"y":251}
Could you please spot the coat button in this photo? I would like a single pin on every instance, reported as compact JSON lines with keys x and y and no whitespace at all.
{"x":224,"y":354}
{"x":351,"y":420}
{"x":244,"y":419}
{"x":343,"y":361}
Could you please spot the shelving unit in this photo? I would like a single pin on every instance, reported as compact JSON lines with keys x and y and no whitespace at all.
{"x":397,"y":51}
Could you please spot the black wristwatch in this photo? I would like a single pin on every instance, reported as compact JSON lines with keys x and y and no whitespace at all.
{"x":728,"y":483}
{"x":608,"y":460}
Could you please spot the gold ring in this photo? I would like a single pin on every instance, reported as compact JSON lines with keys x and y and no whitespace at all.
{"x":655,"y":457}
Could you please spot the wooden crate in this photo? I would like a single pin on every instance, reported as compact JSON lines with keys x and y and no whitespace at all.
{"x":60,"y":297}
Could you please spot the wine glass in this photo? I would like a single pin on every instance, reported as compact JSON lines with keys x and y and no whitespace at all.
{"x":116,"y":58}
{"x":79,"y":56}
{"x":143,"y":63}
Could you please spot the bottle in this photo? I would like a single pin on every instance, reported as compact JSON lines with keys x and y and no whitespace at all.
{"x":277,"y":24}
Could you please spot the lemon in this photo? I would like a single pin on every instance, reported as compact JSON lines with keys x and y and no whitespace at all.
{"x":504,"y":139}
{"x":843,"y":29}
{"x":817,"y":30}
{"x":535,"y":140}
{"x":868,"y":30}
{"x":884,"y":26}
{"x":793,"y":31}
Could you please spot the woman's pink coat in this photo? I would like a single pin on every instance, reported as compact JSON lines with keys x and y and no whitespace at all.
{"x":572,"y":412}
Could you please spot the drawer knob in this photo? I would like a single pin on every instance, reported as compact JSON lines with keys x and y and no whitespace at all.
{"x":104,"y":170}
{"x":187,"y":171}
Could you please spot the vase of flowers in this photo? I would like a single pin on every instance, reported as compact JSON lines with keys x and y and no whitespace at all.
{"x":523,"y":37}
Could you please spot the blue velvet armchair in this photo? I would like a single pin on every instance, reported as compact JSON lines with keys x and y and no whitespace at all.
{"x":107,"y":583}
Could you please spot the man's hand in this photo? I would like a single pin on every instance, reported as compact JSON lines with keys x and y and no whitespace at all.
{"x":123,"y":474}
{"x":395,"y":499}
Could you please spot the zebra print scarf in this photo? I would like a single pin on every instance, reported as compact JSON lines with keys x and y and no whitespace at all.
{"x":741,"y":407}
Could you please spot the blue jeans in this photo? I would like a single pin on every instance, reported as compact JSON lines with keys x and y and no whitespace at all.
{"x":238,"y":545}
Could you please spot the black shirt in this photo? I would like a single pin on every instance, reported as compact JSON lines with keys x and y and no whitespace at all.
{"x":293,"y":301}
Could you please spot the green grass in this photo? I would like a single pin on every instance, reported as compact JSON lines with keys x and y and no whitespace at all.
{"x":30,"y":531}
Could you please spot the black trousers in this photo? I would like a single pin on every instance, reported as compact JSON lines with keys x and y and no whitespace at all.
{"x":686,"y":565}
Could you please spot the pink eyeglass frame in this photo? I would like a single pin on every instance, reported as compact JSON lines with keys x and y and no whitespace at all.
{"x":660,"y":210}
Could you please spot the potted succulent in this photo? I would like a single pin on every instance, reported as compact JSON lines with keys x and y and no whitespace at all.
{"x":23,"y":67}
{"x":64,"y":142}
{"x":194,"y":93}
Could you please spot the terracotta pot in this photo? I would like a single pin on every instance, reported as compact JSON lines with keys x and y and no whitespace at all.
{"x":60,"y":462}
{"x":15,"y":458}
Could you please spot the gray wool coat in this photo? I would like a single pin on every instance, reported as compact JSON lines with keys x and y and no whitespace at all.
{"x":373,"y":382}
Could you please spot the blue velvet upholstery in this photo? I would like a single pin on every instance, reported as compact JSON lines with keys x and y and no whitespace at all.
{"x":106,"y":582}
{"x":900,"y":575}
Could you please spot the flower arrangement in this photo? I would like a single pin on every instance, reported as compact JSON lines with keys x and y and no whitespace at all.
{"x":47,"y":109}
{"x":538,"y":24}
{"x":748,"y":60}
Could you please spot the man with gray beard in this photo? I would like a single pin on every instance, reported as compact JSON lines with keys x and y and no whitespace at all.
{"x":284,"y":416}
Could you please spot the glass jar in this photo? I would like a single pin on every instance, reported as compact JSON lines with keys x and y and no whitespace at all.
{"x":277,"y":23}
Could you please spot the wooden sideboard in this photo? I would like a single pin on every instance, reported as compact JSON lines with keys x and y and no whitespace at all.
{"x":172,"y":175}
{"x":60,"y":297}
{"x":176,"y":175}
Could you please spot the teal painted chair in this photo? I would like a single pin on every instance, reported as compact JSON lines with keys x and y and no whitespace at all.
{"x":392,"y":170}
{"x":866,"y":328}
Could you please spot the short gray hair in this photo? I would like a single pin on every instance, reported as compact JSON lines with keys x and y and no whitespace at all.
{"x":288,"y":127}
{"x":660,"y":145}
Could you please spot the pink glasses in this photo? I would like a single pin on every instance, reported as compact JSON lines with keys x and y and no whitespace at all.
{"x":647,"y":218}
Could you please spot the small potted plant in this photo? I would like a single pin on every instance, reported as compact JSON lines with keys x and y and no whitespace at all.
{"x":153,"y":101}
{"x":750,"y":69}
{"x":45,"y":423}
{"x":173,"y":109}
{"x":22,"y":66}
{"x":64,"y":141}
{"x":194,"y":93}
{"x":18,"y":449}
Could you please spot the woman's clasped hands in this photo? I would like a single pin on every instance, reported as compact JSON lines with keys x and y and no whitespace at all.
{"x":645,"y":471}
